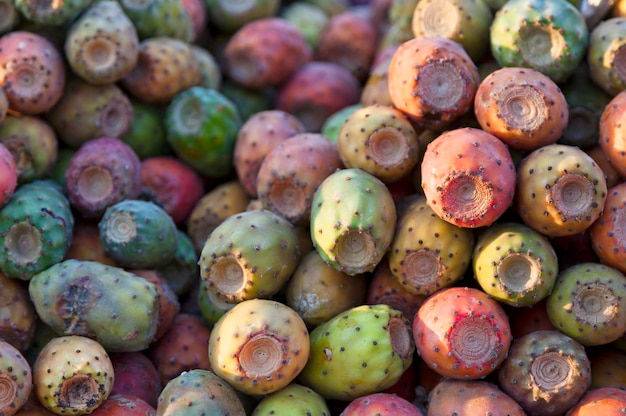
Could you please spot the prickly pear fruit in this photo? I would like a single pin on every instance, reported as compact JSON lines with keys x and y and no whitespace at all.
{"x":318,"y":291}
{"x":124,"y":405}
{"x":461,"y":333}
{"x":33,"y":75}
{"x":135,"y":375}
{"x":202,"y":126}
{"x":363,"y":350}
{"x":600,"y":401}
{"x":522,"y":107}
{"x":160,"y":18}
{"x":515,"y":264}
{"x":464,"y":397}
{"x":560,"y":190}
{"x":108,"y":304}
{"x":102,"y":173}
{"x":468,"y":177}
{"x":72,"y":375}
{"x":433,"y":80}
{"x":292,"y":398}
{"x":36,"y":229}
{"x":102,"y":45}
{"x":606,"y":234}
{"x":49,"y":14}
{"x":604,"y":55}
{"x":138,"y":234}
{"x":9,"y":174}
{"x":196,"y":392}
{"x":210,"y":306}
{"x":546,"y":372}
{"x":381,"y":404}
{"x":146,"y":135}
{"x":169,"y":304}
{"x":291,"y":173}
{"x":228,"y":19}
{"x":380,"y":140}
{"x":16,"y":379}
{"x":251,"y":254}
{"x":259,"y":346}
{"x":265,"y":52}
{"x":612,"y":137}
{"x":550,"y":36}
{"x":17,"y":313}
{"x":428,"y":253}
{"x":587,"y":303}
{"x":353,"y":220}
{"x":182,"y":271}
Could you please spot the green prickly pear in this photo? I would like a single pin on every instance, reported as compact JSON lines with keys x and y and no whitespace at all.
{"x":363,"y":350}
{"x":605,"y":55}
{"x":55,"y":14}
{"x":294,"y":398}
{"x":251,"y":254}
{"x":115,"y":307}
{"x":160,"y":18}
{"x":353,"y":220}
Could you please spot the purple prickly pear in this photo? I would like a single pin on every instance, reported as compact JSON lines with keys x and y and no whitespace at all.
{"x":259,"y":346}
{"x":587,"y":303}
{"x":363,"y":350}
{"x":560,"y":190}
{"x":381,"y":404}
{"x":251,"y":254}
{"x":102,"y":45}
{"x":73,"y":375}
{"x":546,"y":372}
{"x":16,"y":379}
{"x":294,"y":398}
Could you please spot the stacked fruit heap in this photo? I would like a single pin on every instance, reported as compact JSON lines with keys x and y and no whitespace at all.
{"x":312,"y":207}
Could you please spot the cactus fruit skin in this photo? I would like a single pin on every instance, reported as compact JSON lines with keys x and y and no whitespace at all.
{"x":611,"y":173}
{"x":138,"y":234}
{"x":124,"y":405}
{"x":461,"y":333}
{"x":181,"y":272}
{"x":463,"y":21}
{"x":202,"y":126}
{"x":72,"y":375}
{"x":515,"y":264}
{"x":102,"y":45}
{"x":146,"y":135}
{"x":182,"y":348}
{"x":257,"y":136}
{"x":353,"y":220}
{"x":363,"y":350}
{"x":211,"y":307}
{"x":102,"y":172}
{"x":239,"y":259}
{"x":211,"y":72}
{"x":468,"y":177}
{"x":33,"y":77}
{"x":135,"y":375}
{"x":607,"y":236}
{"x":608,"y":367}
{"x":612,"y":137}
{"x":86,"y":243}
{"x":428,"y":253}
{"x":8,"y":173}
{"x":380,"y":140}
{"x":87,"y":111}
{"x":160,"y":18}
{"x":433,"y":80}
{"x":530,"y":112}
{"x":47,"y":14}
{"x":259,"y":346}
{"x":265,"y":52}
{"x":169,"y":304}
{"x":165,"y":67}
{"x":333,"y":123}
{"x":171,"y":184}
{"x":18,"y":318}
{"x":36,"y":229}
{"x":600,"y":401}
{"x":318,"y":292}
{"x":383,"y":404}
{"x":229,"y":19}
{"x":560,"y":190}
{"x":550,"y":36}
{"x":460,"y":397}
{"x":308,"y":18}
{"x":294,"y":398}
{"x":291,"y":173}
{"x":546,"y":372}
{"x":587,"y":301}
{"x":604,"y":56}
{"x":317,"y":90}
{"x":199,"y":391}
{"x":16,"y":379}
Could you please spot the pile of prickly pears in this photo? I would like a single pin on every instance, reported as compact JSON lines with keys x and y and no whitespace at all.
{"x":313,"y":207}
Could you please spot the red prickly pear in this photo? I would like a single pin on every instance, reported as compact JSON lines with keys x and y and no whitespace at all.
{"x":600,"y":401}
{"x":607,"y":234}
{"x":124,"y":405}
{"x":33,"y":72}
{"x":611,"y":173}
{"x":433,"y":80}
{"x":136,"y":375}
{"x":265,"y":52}
{"x":612,"y":133}
{"x":462,"y":333}
{"x":522,"y":107}
{"x":317,"y":90}
{"x":87,"y":244}
{"x":8,"y":173}
{"x":468,"y":177}
{"x":471,"y":397}
{"x":381,"y":404}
